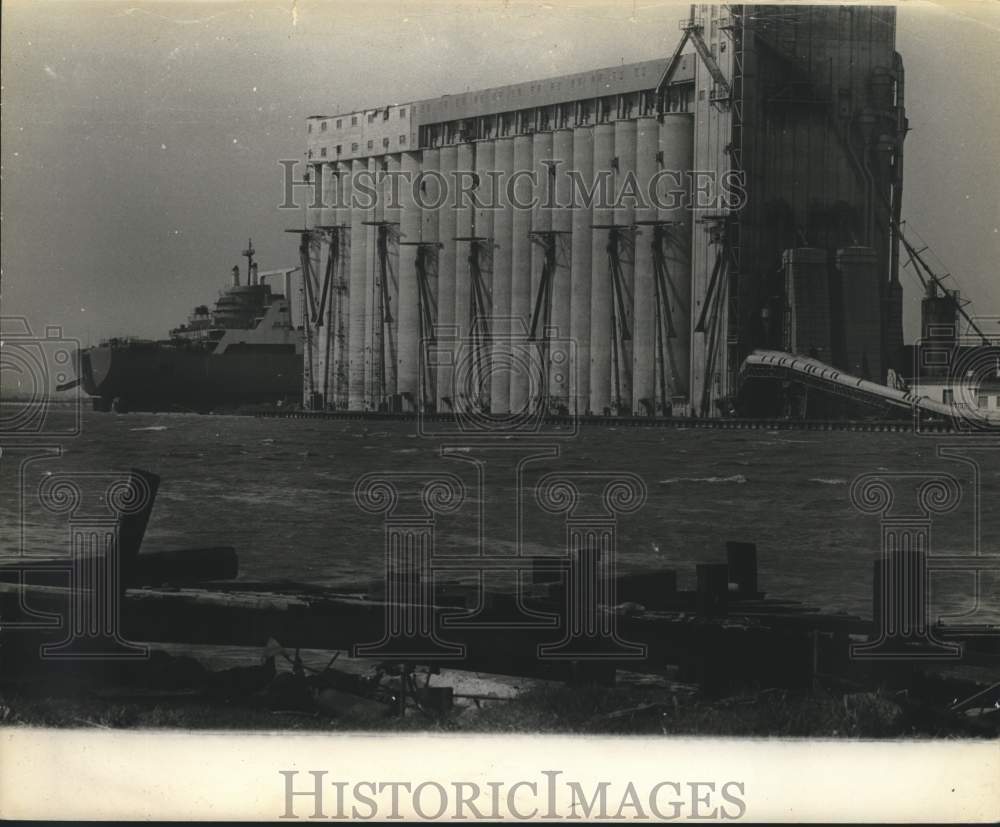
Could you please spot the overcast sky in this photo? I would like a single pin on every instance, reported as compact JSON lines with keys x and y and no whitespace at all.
{"x":141,"y":140}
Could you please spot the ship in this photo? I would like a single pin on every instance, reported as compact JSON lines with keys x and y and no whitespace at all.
{"x":245,"y":350}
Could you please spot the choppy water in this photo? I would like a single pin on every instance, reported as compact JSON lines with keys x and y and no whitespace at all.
{"x":282,"y":493}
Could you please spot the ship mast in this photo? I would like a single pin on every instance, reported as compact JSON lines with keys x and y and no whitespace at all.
{"x":248,"y":253}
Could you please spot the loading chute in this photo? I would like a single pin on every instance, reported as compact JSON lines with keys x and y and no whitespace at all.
{"x":775,"y":364}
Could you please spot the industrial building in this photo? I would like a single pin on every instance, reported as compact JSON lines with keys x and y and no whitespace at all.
{"x":782,"y":129}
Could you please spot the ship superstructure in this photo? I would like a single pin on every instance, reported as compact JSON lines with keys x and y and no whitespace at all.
{"x":245,"y":349}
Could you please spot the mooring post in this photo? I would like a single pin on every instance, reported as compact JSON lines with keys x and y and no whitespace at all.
{"x":410,"y":625}
{"x":741,"y":558}
{"x":107,"y":516}
{"x":590,"y":623}
{"x":713,"y":589}
{"x":901,"y":588}
{"x":143,"y":486}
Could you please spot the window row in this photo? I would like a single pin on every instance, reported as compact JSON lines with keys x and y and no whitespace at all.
{"x":339,"y":148}
{"x":557,"y":116}
{"x":339,"y":122}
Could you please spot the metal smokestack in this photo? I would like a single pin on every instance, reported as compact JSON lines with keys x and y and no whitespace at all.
{"x":236,"y":277}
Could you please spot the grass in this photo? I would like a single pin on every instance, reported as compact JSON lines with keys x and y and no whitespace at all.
{"x":555,"y":709}
{"x":770,"y":713}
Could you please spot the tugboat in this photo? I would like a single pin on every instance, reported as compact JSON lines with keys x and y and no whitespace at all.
{"x":245,"y":350}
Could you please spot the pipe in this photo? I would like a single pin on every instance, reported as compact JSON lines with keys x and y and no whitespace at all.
{"x":520,"y":277}
{"x":541,"y":222}
{"x":408,"y":308}
{"x":541,"y":214}
{"x":624,"y":216}
{"x":600,"y":285}
{"x":390,"y":214}
{"x":503,"y":233}
{"x":581,"y":273}
{"x":342,"y":359}
{"x":447,"y":158}
{"x":464,"y":219}
{"x":483,"y":228}
{"x":430,"y":163}
{"x":644,"y":306}
{"x":562,"y":226}
{"x":896,"y":208}
{"x":374,"y":326}
{"x":677,"y":146}
{"x":357,"y":295}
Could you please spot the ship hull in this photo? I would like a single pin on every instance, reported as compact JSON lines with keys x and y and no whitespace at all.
{"x":153,"y":376}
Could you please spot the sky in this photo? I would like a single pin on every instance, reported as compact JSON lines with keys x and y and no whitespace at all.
{"x":141,"y":140}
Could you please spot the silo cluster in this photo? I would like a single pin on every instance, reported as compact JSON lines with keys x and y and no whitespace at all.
{"x":539,"y":281}
{"x":499,"y":250}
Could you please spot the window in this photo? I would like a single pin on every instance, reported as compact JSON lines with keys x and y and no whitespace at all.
{"x":402,"y":140}
{"x":402,"y":112}
{"x":948,"y":396}
{"x":322,"y":126}
{"x":338,"y":149}
{"x":310,"y":154}
{"x":354,"y":147}
{"x":371,"y":144}
{"x":385,"y":142}
{"x":385,"y":115}
{"x":339,"y":120}
{"x":982,"y":401}
{"x":354,"y":120}
{"x":322,"y":152}
{"x":309,"y":127}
